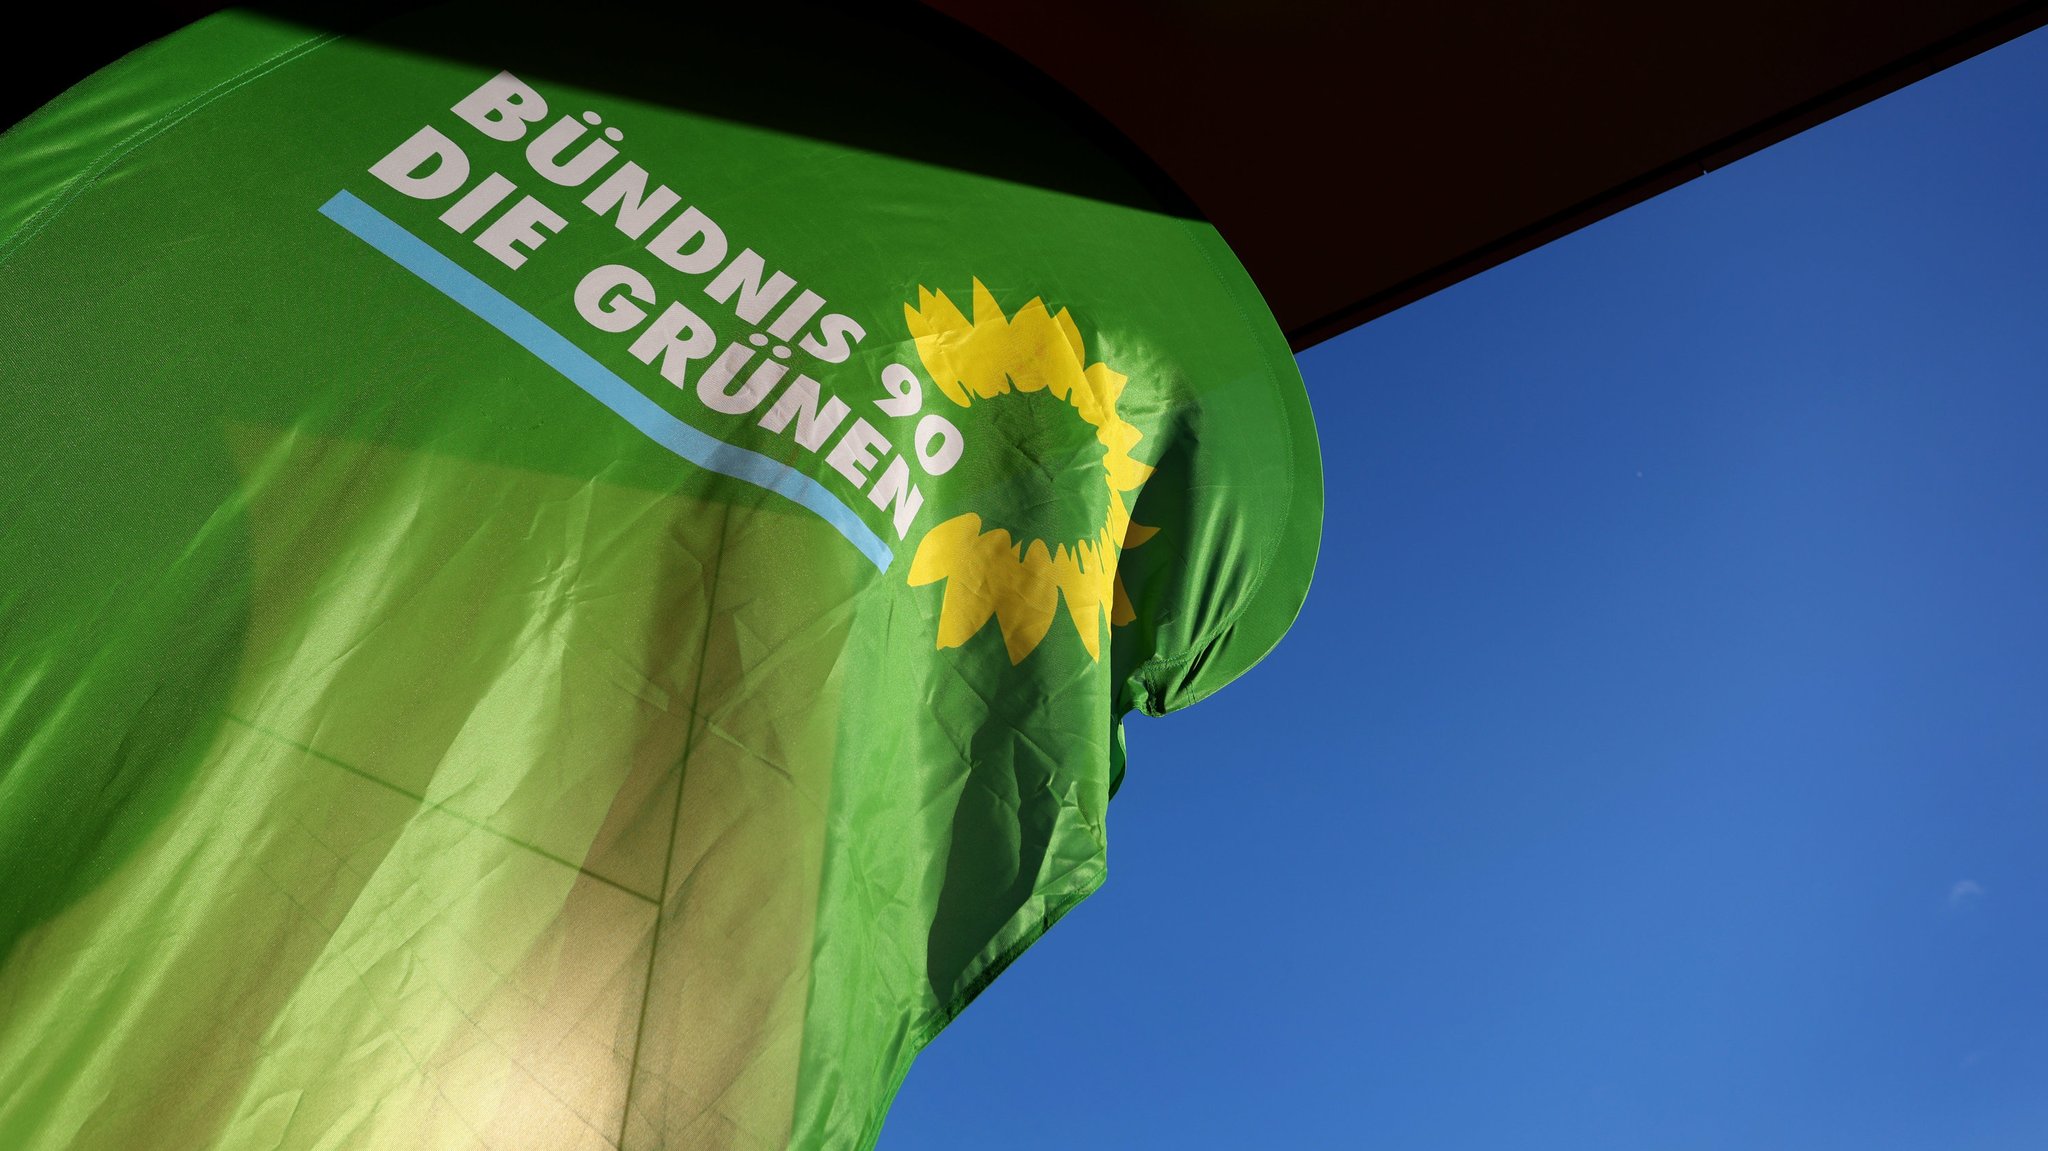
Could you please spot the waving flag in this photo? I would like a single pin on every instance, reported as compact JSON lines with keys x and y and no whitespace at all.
{"x":570,"y":578}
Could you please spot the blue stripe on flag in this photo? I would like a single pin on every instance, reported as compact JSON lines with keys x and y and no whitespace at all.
{"x":707,"y":452}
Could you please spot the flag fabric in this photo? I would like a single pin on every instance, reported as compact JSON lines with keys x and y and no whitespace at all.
{"x":570,"y":576}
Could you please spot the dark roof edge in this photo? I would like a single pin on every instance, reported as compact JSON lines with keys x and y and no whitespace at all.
{"x":1983,"y":36}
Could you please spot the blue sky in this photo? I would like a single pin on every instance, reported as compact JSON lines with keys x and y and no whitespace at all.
{"x":1661,"y":760}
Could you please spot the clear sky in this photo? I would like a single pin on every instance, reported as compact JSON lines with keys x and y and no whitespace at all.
{"x":1661,"y":760}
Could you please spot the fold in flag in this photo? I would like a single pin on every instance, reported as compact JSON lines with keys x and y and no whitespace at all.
{"x":570,"y":576}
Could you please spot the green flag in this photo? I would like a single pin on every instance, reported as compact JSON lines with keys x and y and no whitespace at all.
{"x":572,"y":576}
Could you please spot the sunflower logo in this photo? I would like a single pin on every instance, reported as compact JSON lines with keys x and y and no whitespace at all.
{"x":1031,"y":367}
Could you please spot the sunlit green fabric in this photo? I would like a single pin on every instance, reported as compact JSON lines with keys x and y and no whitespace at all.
{"x":451,"y":698}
